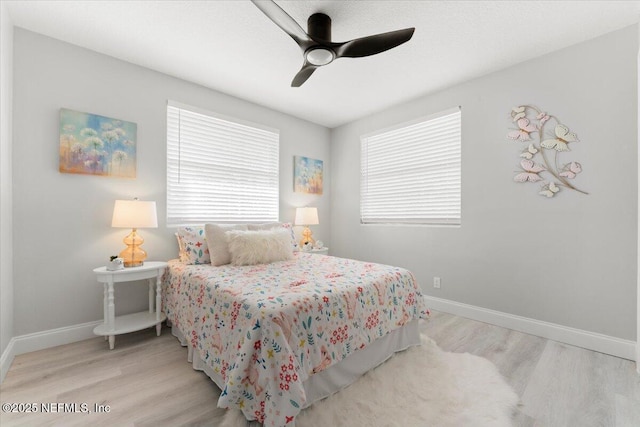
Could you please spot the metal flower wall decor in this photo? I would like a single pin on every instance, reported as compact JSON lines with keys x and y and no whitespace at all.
{"x":541,"y":157}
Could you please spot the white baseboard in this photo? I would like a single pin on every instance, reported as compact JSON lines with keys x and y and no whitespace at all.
{"x":625,"y":349}
{"x":6,"y":359}
{"x":44,"y":339}
{"x":618,"y":347}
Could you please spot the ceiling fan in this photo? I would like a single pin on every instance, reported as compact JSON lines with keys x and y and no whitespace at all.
{"x":317,"y":47}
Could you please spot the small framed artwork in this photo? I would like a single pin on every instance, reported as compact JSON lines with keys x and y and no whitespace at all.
{"x":307,"y":175}
{"x":97,"y":145}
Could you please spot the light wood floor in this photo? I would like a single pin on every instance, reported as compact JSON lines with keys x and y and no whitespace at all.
{"x":146,"y":380}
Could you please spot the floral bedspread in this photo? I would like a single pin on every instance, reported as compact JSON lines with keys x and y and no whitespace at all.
{"x":266,"y":328}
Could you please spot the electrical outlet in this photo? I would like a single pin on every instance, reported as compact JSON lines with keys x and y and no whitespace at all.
{"x":436,"y":282}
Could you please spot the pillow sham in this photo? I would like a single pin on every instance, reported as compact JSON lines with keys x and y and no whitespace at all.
{"x":182,"y":255}
{"x":271,"y":225}
{"x":193,"y":245}
{"x":259,"y":246}
{"x":217,"y":241}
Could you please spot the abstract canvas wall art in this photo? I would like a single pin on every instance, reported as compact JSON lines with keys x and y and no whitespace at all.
{"x":307,"y":175}
{"x":96,"y":145}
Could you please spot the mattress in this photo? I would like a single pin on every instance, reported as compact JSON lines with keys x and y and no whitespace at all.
{"x":263,"y":332}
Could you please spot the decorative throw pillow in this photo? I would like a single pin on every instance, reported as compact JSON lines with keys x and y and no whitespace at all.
{"x":217,"y":241}
{"x":182,"y":255}
{"x":259,"y":246}
{"x":194,"y":245}
{"x":271,"y":225}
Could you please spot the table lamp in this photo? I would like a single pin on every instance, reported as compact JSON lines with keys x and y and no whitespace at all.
{"x":306,"y":217}
{"x":134,"y":214}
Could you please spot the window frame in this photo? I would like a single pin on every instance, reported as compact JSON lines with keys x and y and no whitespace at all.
{"x":366,"y":217}
{"x":271,"y":212}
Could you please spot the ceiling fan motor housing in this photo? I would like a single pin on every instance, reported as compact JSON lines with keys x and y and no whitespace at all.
{"x":319,"y":26}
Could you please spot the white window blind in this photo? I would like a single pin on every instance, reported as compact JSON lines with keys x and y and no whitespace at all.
{"x":410,"y":174}
{"x":219,"y":169}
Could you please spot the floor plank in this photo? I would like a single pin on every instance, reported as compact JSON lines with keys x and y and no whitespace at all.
{"x":146,"y":380}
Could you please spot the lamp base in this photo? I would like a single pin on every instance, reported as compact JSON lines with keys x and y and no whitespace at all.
{"x":133,"y":255}
{"x":307,"y":238}
{"x":133,"y":264}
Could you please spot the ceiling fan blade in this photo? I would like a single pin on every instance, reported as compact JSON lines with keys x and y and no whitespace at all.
{"x":284,"y":21}
{"x":371,"y":45}
{"x":304,"y":73}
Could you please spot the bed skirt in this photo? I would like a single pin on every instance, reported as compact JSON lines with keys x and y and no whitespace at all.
{"x":338,"y":376}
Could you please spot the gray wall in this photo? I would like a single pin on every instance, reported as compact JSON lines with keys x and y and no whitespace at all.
{"x":638,"y":237}
{"x":62,"y":221}
{"x":570,"y":260}
{"x":6,"y":222}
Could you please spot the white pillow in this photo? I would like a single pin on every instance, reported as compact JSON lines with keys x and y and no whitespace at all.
{"x":259,"y":246}
{"x":271,"y":225}
{"x":217,"y":241}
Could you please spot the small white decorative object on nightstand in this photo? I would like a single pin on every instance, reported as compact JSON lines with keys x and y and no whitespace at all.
{"x":113,"y":325}
{"x":115,"y":264}
{"x":321,"y":251}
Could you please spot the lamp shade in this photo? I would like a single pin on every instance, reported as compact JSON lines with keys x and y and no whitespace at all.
{"x":134,"y":214}
{"x":307,"y":216}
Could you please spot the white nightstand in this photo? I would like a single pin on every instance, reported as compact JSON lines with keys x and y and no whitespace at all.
{"x":113,"y":325}
{"x":321,"y":251}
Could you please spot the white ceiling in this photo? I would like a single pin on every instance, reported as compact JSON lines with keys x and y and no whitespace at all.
{"x":231,"y":46}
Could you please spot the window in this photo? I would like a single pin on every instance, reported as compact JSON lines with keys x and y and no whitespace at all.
{"x":410,"y":174}
{"x":219,"y":169}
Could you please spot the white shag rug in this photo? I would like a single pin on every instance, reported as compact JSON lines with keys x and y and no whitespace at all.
{"x":420,"y":387}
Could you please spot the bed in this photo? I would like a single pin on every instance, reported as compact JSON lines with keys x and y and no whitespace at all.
{"x":277,"y":337}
